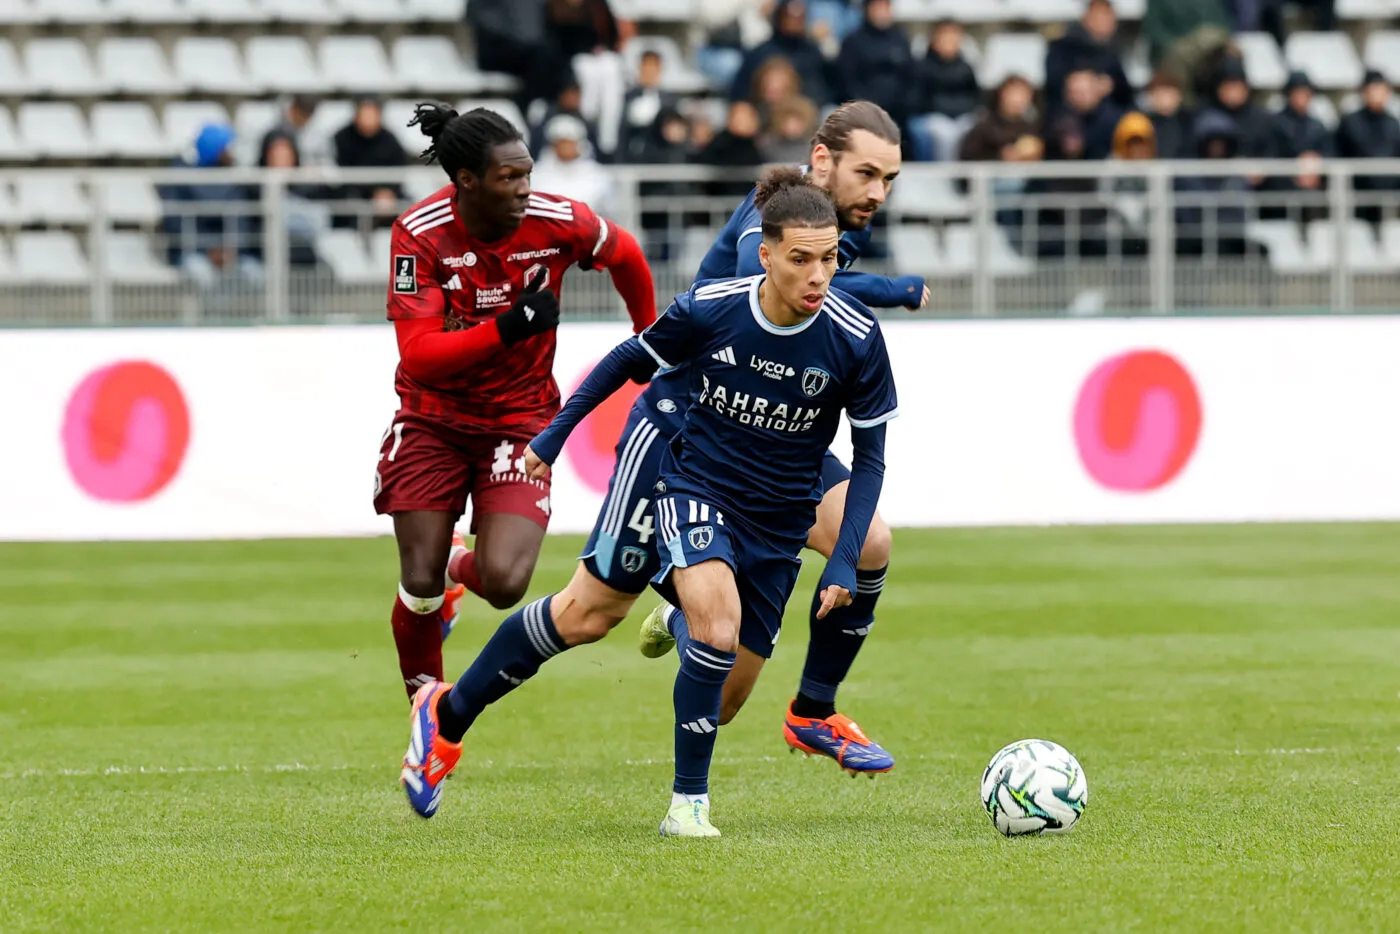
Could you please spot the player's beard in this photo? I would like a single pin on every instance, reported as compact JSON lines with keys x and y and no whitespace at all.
{"x":848,"y":218}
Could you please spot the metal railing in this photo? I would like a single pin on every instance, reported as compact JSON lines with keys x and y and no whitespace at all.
{"x":226,"y":246}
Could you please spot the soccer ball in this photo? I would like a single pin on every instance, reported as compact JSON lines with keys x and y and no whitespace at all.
{"x":1033,"y":787}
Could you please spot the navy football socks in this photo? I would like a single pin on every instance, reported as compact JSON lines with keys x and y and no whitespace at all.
{"x":697,"y":695}
{"x":835,"y":643}
{"x":525,"y":641}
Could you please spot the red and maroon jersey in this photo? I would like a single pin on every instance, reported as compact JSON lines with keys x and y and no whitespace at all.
{"x":439,"y":271}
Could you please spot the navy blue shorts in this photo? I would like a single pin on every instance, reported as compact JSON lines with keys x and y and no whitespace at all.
{"x":833,"y":471}
{"x":765,"y":570}
{"x":622,"y":550}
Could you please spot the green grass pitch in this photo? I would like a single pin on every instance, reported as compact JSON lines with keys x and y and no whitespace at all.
{"x":206,"y":737}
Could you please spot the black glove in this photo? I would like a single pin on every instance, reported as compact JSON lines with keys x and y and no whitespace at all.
{"x":534,"y":311}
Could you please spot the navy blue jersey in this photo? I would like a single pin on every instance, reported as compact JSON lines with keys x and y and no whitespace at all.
{"x":764,"y":402}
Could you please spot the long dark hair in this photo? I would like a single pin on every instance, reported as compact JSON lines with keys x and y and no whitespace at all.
{"x":462,"y":141}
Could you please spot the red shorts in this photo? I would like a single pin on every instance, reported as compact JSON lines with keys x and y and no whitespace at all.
{"x":427,"y":465}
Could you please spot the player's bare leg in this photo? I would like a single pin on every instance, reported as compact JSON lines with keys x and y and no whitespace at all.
{"x":812,"y":723}
{"x":423,"y":539}
{"x":739,"y":685}
{"x":499,"y":566}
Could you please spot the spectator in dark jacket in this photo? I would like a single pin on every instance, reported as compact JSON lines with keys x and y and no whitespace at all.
{"x":1298,"y":135}
{"x":1062,"y":228}
{"x":362,"y":144}
{"x":1087,"y":43}
{"x":1254,"y":126}
{"x":1371,"y":133}
{"x":1170,"y":121}
{"x":1088,"y":100}
{"x":644,"y":103}
{"x":568,"y":104}
{"x":511,"y":37}
{"x":1007,"y":132}
{"x":1168,"y":21}
{"x":946,"y":96}
{"x":209,"y":227}
{"x":790,"y":40}
{"x":876,"y":63}
{"x":1213,"y":209}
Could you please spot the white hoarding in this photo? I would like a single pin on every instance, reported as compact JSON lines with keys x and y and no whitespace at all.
{"x":132,"y":434}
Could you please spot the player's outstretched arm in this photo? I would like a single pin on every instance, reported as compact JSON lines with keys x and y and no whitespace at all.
{"x":429,"y":353}
{"x":628,"y":361}
{"x":862,"y":497}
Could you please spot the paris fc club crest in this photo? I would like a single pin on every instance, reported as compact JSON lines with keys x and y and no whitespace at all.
{"x":814,"y":380}
{"x":633,"y":559}
{"x":701,"y":536}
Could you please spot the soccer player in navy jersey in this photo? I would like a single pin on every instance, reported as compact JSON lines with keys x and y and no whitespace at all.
{"x":771,"y":362}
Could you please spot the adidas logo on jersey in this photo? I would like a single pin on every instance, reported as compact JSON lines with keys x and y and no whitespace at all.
{"x":453,"y":284}
{"x":725,"y":356}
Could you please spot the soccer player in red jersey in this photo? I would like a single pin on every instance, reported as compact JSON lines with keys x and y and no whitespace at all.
{"x":476,"y":271}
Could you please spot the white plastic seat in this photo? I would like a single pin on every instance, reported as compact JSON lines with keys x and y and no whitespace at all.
{"x":379,"y":245}
{"x":1363,"y":255}
{"x":677,"y":75}
{"x":51,"y":198}
{"x":1044,"y":11}
{"x":251,"y":122}
{"x":50,"y":256}
{"x":132,"y":261}
{"x":914,"y":249}
{"x":135,"y":66}
{"x":12,"y":148}
{"x":184,"y":119}
{"x":129,"y":200}
{"x":357,"y":64}
{"x":345,"y":252}
{"x":924,"y":194}
{"x":435,"y":11}
{"x":150,"y":11}
{"x":397,"y":113}
{"x":7,"y":263}
{"x":283,"y":63}
{"x":13,"y":82}
{"x":1383,"y":53}
{"x":433,"y":64}
{"x":72,"y":12}
{"x":1366,"y":9}
{"x":1284,"y":242}
{"x":659,"y":11}
{"x":128,"y":130}
{"x":960,"y":253}
{"x":1329,"y":58}
{"x":55,"y":131}
{"x":1130,"y":9}
{"x":330,"y":118}
{"x":226,"y":11}
{"x":1008,"y":54}
{"x":60,"y":67}
{"x":373,"y":11}
{"x":505,"y":108}
{"x":17,"y":12}
{"x":1390,"y":242}
{"x":1263,"y":62}
{"x":9,"y":210}
{"x":303,"y":11}
{"x":212,"y":64}
{"x":970,"y":11}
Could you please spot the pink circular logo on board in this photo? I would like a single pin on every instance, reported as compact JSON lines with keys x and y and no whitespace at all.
{"x":125,"y":431}
{"x":1137,"y":421}
{"x":590,"y":447}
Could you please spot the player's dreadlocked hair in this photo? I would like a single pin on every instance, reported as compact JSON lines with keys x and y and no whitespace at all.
{"x":462,"y":141}
{"x":785,"y":198}
{"x":835,"y":131}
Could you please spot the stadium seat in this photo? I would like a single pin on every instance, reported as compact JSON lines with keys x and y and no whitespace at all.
{"x":1329,"y":58}
{"x":435,"y":11}
{"x":330,"y":118}
{"x":184,"y":119}
{"x":1383,"y":53}
{"x":505,"y":108}
{"x":252,"y":120}
{"x":283,"y":64}
{"x":55,"y":131}
{"x":1362,"y":252}
{"x":9,"y":211}
{"x":373,"y":11}
{"x":50,"y":256}
{"x":129,"y":200}
{"x":379,"y":246}
{"x":1367,"y":9}
{"x":677,"y":75}
{"x":302,"y":11}
{"x":357,"y":64}
{"x":231,"y":12}
{"x":960,"y":253}
{"x":968,"y":11}
{"x":433,"y":64}
{"x":1043,"y":11}
{"x":1130,"y":9}
{"x":135,"y":66}
{"x":667,"y":11}
{"x":1284,"y":243}
{"x":13,"y":82}
{"x":1008,"y":54}
{"x":1263,"y":62}
{"x":51,"y":198}
{"x":72,"y":12}
{"x":128,"y":130}
{"x":914,"y":249}
{"x":212,"y":64}
{"x":150,"y":11}
{"x":397,"y":113}
{"x":925,"y":194}
{"x":344,"y":251}
{"x":1390,"y":241}
{"x":16,"y":12}
{"x":60,"y":67}
{"x":7,"y":262}
{"x":131,"y":261}
{"x":12,"y":149}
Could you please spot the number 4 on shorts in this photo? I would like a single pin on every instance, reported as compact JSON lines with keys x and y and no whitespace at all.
{"x":641,"y":522}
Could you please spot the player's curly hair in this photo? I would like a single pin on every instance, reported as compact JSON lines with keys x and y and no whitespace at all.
{"x":785,"y":197}
{"x":462,"y":141}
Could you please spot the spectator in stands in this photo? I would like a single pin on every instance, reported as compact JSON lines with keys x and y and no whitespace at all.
{"x":735,"y":147}
{"x":1211,"y":210}
{"x":665,"y":142}
{"x":1371,"y":133}
{"x":1087,"y":43}
{"x":209,"y":228}
{"x":1168,"y":21}
{"x":730,"y":27}
{"x":642,"y":105}
{"x":1135,"y":138}
{"x":587,"y":37}
{"x":568,"y":103}
{"x":1300,"y":135}
{"x":1255,"y":134}
{"x":1088,"y":99}
{"x":790,"y":40}
{"x":1128,"y":220}
{"x":364,"y":143}
{"x":788,"y":137}
{"x":832,"y":22}
{"x":1007,"y":132}
{"x":1063,"y":227}
{"x":312,"y":149}
{"x":568,"y":167}
{"x":511,"y":37}
{"x":303,"y":207}
{"x":946,"y":96}
{"x":775,"y":81}
{"x":1170,"y":121}
{"x":877,"y":64}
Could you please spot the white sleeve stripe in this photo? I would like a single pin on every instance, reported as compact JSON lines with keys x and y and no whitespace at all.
{"x":426,"y":209}
{"x":863,"y":319}
{"x":751,"y":230}
{"x":641,"y":339}
{"x":841,"y":323}
{"x":418,"y":222}
{"x":872,"y":422}
{"x":602,"y":236}
{"x":426,"y":227}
